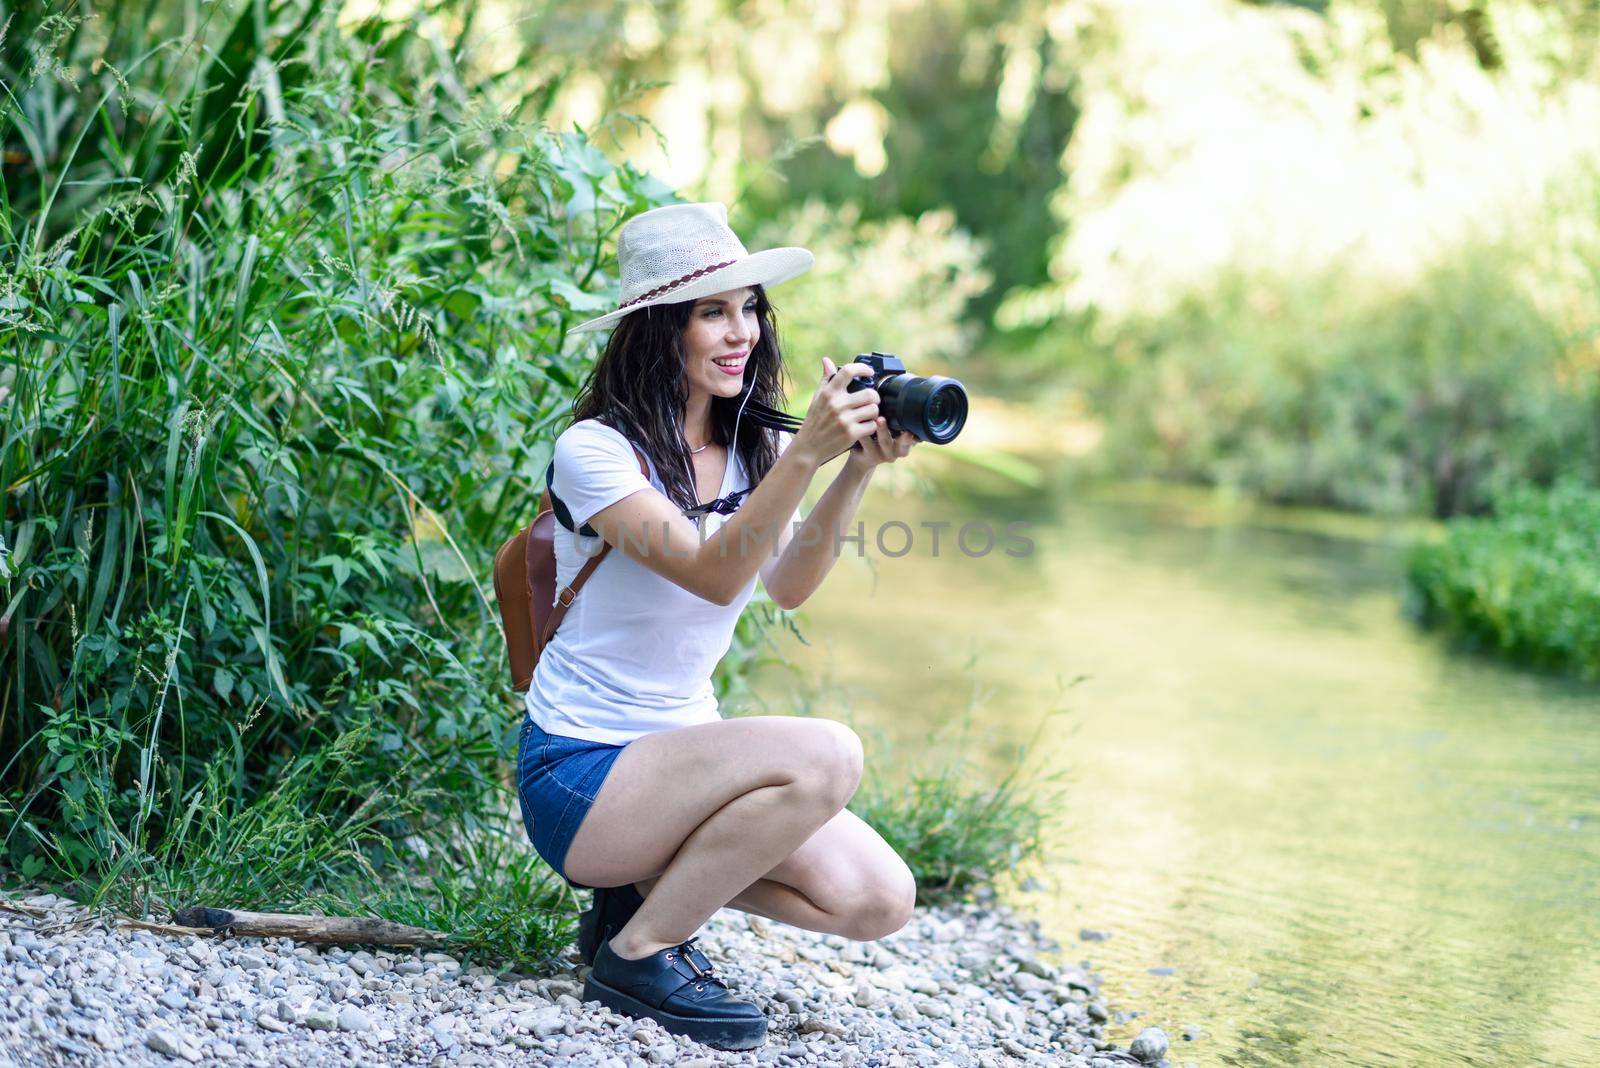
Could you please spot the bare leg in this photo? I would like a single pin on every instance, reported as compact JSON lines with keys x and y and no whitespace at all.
{"x":845,"y":880}
{"x":706,"y":811}
{"x":775,"y":901}
{"x":722,"y":857}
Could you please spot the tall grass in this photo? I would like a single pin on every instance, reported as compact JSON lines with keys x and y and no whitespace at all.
{"x":283,"y":310}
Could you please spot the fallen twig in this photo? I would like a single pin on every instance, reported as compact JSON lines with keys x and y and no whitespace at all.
{"x":162,"y":928}
{"x":25,"y":910}
{"x":335,"y":930}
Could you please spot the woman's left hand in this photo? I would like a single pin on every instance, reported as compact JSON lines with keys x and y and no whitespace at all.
{"x":882,"y":446}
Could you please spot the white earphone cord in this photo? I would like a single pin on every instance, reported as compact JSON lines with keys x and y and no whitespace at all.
{"x":733,"y":449}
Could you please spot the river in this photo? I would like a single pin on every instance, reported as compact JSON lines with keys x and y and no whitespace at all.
{"x":1348,"y":843}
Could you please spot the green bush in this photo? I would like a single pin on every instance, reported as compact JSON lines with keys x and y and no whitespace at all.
{"x":1427,"y":400}
{"x":283,"y":311}
{"x":1524,"y":583}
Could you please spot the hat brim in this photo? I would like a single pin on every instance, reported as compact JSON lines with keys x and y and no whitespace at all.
{"x":765,"y":268}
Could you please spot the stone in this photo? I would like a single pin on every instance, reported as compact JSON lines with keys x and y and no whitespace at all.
{"x":270,"y":1021}
{"x":173,"y":1044}
{"x":320,"y":1020}
{"x":1028,"y":983}
{"x":1150,"y":1046}
{"x":541,"y":1022}
{"x":814,"y":1025}
{"x":353,"y":1019}
{"x":1035,"y":966}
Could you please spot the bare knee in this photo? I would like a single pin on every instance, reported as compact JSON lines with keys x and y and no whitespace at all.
{"x":882,"y":906}
{"x":831,"y":762}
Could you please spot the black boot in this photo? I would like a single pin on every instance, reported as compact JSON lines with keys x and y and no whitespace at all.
{"x":613,"y":907}
{"x":676,"y":989}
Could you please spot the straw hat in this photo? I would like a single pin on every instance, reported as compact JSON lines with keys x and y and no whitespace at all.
{"x":684,"y":251}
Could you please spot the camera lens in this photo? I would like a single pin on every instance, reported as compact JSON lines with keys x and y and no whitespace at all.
{"x":946,"y":411}
{"x":934,"y":408}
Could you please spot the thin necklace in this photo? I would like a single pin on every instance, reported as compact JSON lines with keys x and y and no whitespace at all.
{"x":702,"y":448}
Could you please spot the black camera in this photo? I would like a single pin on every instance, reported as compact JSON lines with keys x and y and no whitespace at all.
{"x":933,"y":408}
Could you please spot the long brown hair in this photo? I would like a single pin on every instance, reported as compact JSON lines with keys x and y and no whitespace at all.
{"x":638,"y":387}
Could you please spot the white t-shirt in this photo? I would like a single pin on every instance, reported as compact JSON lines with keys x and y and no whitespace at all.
{"x":635,"y":652}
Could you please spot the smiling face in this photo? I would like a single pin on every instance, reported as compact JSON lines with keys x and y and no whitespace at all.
{"x":722,"y":330}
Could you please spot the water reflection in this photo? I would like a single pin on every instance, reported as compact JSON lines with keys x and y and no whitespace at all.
{"x":1350,"y":844}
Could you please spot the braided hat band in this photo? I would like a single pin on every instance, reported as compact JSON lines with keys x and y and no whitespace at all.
{"x":676,"y":282}
{"x":685,"y":251}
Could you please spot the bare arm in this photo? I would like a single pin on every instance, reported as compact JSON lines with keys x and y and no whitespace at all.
{"x":805,"y":560}
{"x":649,"y":528}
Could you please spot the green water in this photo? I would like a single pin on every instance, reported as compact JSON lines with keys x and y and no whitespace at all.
{"x":1351,"y":844}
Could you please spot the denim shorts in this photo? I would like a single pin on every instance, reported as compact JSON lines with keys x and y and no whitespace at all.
{"x":557,"y":780}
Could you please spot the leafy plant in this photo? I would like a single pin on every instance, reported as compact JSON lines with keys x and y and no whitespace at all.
{"x":1524,"y":582}
{"x":283,"y":309}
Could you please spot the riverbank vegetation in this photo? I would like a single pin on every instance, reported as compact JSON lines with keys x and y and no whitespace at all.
{"x":1323,"y":300}
{"x":284,"y":313}
{"x":1524,"y":582}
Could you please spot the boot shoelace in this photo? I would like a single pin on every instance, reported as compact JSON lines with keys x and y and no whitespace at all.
{"x":705,"y":974}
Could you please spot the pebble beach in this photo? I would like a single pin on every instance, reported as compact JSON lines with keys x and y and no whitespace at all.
{"x":974,"y":984}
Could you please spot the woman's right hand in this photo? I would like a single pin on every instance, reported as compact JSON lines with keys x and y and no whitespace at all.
{"x":837,"y":418}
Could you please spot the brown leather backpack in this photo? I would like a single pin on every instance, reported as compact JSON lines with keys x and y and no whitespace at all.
{"x":525,"y":584}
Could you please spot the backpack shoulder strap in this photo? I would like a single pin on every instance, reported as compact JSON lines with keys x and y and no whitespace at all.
{"x":565,"y":598}
{"x":562,"y":514}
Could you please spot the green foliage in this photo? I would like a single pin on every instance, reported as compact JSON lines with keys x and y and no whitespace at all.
{"x":283,"y":313}
{"x":955,"y":828}
{"x":1299,"y":282}
{"x":1524,"y":583}
{"x":753,"y":645}
{"x":980,"y":106}
{"x":490,"y":891}
{"x":1428,"y":399}
{"x":899,"y":286}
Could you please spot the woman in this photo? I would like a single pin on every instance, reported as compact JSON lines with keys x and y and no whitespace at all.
{"x":630,"y":781}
